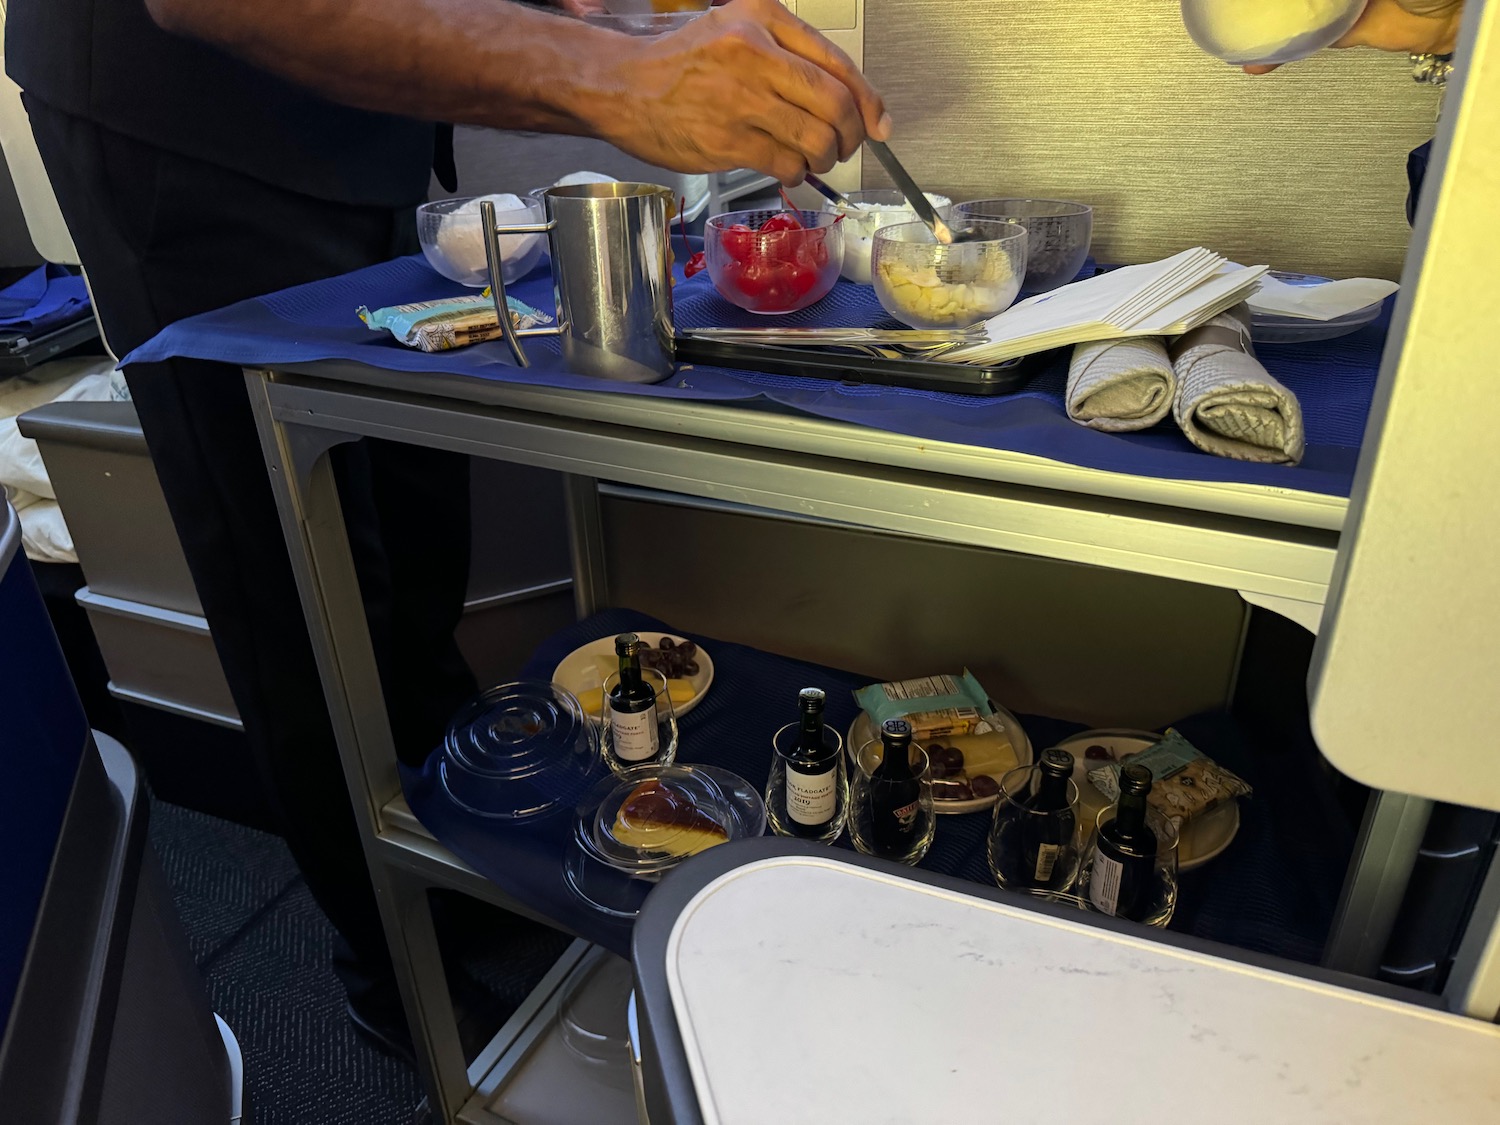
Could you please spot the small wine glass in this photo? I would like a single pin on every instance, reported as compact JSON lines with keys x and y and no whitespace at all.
{"x":666,"y":725}
{"x":871,"y":796}
{"x":815,"y":810}
{"x":1160,"y":900}
{"x":1031,"y":849}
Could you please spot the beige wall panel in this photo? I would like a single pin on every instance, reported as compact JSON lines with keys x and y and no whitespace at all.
{"x":1112,"y":104}
{"x":1102,"y":647}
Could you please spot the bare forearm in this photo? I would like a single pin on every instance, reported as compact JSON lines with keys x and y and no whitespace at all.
{"x":482,"y":62}
{"x":745,"y":85}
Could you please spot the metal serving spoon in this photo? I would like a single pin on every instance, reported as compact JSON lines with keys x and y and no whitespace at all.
{"x":833,"y":195}
{"x":919,"y":202}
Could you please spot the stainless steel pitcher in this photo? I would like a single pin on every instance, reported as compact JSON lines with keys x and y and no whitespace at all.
{"x":611,"y":275}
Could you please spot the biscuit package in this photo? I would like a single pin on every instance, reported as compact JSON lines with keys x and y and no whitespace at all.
{"x":438,"y":326}
{"x":1185,"y":781}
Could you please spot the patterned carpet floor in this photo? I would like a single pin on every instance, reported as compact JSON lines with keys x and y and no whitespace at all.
{"x":264,"y":949}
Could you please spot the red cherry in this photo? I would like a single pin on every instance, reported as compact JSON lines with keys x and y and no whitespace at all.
{"x":801,"y":280}
{"x":739,"y":242}
{"x":812,"y":252}
{"x":783,"y":221}
{"x":696,"y":264}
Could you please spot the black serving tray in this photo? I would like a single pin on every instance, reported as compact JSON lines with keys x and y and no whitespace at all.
{"x":849,"y":367}
{"x":19,"y":353}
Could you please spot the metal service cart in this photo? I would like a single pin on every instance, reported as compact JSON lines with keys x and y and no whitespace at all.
{"x":1279,"y":548}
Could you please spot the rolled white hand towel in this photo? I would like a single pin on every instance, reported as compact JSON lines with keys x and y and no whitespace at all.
{"x":1120,"y":385}
{"x":1227,"y":403}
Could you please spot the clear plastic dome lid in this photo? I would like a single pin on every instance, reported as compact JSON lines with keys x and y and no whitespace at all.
{"x":1262,"y":32}
{"x":647,"y":820}
{"x":520,"y":750}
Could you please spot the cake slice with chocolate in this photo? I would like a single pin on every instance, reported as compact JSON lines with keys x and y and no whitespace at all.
{"x":656,"y":818}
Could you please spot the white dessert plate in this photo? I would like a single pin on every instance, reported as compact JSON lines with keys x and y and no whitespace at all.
{"x":862,"y":731}
{"x":1205,"y":837}
{"x":579,"y":671}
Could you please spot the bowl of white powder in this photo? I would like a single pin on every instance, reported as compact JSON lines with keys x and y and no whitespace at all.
{"x":452,"y":237}
{"x":1261,"y":32}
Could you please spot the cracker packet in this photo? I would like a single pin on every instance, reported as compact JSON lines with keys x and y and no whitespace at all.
{"x":439,"y":326}
{"x":1185,"y":781}
{"x":935,"y":706}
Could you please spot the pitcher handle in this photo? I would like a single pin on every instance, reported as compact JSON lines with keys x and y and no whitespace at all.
{"x":495,"y":262}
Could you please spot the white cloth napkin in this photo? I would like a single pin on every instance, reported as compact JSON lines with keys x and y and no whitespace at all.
{"x":1120,"y":385}
{"x":1227,"y":403}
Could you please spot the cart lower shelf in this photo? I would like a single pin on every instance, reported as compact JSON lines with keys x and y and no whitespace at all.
{"x":1274,"y":890}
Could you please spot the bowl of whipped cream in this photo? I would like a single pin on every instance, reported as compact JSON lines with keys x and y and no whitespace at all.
{"x":868,"y":212}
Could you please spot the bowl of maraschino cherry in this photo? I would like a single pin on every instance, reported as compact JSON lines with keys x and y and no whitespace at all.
{"x":773,"y":261}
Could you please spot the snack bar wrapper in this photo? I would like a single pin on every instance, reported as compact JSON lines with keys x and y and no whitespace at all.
{"x":1185,"y":781}
{"x":438,"y":326}
{"x":935,"y":706}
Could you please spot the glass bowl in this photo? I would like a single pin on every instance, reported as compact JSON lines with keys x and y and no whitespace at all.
{"x":1261,"y":32}
{"x":519,"y":750}
{"x":655,"y":7}
{"x":925,"y":284}
{"x":1060,"y":233}
{"x":452,"y":237}
{"x":873,"y":209}
{"x":775,"y":271}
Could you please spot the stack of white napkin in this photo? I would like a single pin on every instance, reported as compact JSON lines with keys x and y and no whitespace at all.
{"x":1164,"y":298}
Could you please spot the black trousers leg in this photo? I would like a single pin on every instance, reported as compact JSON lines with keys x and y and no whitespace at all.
{"x":164,"y":237}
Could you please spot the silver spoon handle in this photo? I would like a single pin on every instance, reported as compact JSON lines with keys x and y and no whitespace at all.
{"x":909,"y":188}
{"x":833,"y":195}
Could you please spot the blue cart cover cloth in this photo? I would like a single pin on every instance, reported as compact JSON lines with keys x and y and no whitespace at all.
{"x":1273,"y":890}
{"x":1334,"y":380}
{"x":46,"y":298}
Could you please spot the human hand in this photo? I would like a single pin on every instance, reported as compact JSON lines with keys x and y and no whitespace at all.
{"x":1419,"y":27}
{"x":747,"y":85}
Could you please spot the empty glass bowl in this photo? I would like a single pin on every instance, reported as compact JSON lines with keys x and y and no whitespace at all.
{"x":873,"y":209}
{"x":779,"y":270}
{"x":519,"y":750}
{"x":1060,"y":234}
{"x":924,"y":284}
{"x":452,"y":237}
{"x":1258,"y":32}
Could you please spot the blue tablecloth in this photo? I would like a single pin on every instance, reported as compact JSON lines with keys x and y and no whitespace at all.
{"x":46,"y":298}
{"x":1333,"y":380}
{"x":1273,"y":890}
